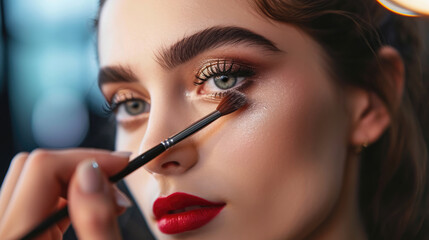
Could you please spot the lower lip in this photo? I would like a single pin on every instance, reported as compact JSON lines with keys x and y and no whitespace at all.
{"x":187,"y":221}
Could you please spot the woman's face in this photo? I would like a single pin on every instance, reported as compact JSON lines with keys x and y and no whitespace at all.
{"x":273,"y":169}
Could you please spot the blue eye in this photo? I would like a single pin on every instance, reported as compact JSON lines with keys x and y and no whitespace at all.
{"x":128,"y":109}
{"x":132,"y":107}
{"x":135,"y":107}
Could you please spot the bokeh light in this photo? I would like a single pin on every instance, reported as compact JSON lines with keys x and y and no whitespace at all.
{"x":52,"y":65}
{"x":419,"y":6}
{"x":60,"y":119}
{"x":388,"y":4}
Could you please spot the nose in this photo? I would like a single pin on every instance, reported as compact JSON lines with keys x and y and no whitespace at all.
{"x":168,"y":116}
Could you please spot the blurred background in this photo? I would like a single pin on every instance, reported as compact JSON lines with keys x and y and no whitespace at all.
{"x":49,"y":95}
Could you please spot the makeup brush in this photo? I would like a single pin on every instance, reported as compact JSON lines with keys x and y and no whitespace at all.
{"x":231,"y":102}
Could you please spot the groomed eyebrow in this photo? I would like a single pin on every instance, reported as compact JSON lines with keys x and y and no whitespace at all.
{"x":210,"y":38}
{"x":189,"y":47}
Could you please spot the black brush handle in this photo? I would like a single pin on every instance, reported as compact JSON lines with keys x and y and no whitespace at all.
{"x":63,"y":212}
{"x":138,"y":162}
{"x":195,"y":127}
{"x":48,"y":222}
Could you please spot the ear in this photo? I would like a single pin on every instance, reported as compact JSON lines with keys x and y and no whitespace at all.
{"x":370,"y":115}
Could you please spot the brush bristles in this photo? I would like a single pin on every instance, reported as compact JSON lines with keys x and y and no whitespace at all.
{"x":231,"y":102}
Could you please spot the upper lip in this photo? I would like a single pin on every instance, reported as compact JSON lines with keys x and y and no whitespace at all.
{"x":179,"y":201}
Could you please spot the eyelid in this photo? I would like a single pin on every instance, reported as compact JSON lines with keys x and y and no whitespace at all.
{"x":123,"y":95}
{"x":111,"y":91}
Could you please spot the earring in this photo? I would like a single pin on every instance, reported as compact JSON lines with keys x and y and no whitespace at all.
{"x":360,"y":148}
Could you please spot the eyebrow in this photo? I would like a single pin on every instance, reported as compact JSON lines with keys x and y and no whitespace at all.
{"x":210,"y":38}
{"x":188,"y":48}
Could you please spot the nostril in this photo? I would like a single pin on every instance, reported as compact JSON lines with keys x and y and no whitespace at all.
{"x":170,"y":164}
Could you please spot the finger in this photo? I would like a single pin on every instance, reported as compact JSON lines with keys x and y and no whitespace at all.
{"x":122,"y":201}
{"x":67,"y":160}
{"x":10,"y":180}
{"x":92,"y":204}
{"x":64,"y":223}
{"x":45,"y":177}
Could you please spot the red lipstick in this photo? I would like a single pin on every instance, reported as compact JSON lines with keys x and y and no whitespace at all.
{"x":181,"y":212}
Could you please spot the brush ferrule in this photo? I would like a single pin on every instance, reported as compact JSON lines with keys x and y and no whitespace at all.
{"x":169,"y":142}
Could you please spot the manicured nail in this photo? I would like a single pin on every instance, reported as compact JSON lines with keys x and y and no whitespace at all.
{"x":121,"y":199}
{"x":122,"y":154}
{"x":89,"y":177}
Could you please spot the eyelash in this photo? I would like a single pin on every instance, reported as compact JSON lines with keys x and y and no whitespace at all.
{"x":110,"y":108}
{"x":107,"y":109}
{"x":223,"y":67}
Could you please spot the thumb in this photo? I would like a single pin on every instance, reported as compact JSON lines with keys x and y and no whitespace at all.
{"x":94,"y":204}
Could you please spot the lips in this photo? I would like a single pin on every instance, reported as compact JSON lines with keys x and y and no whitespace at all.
{"x":181,"y":212}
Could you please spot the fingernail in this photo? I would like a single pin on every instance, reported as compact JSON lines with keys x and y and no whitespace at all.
{"x":121,"y":199}
{"x":122,"y":154}
{"x":89,"y":177}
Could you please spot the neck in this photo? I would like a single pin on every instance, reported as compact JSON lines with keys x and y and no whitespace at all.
{"x":344,"y":222}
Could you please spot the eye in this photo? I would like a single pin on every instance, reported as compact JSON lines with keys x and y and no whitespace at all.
{"x":220,"y":76}
{"x":135,"y":107}
{"x":128,"y":107}
{"x":222,"y":82}
{"x":225,"y":82}
{"x":132,"y":107}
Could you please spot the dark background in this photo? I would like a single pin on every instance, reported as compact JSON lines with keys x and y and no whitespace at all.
{"x":49,"y":95}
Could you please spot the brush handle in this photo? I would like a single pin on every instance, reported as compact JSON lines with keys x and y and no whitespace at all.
{"x":195,"y":127}
{"x":138,"y":162}
{"x":63,"y":212}
{"x":132,"y":166}
{"x":60,"y":214}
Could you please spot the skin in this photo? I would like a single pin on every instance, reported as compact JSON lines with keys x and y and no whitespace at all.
{"x":281,"y":165}
{"x":285,"y":165}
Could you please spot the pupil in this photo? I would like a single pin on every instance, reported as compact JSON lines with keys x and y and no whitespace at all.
{"x":134,"y":107}
{"x":224,"y":78}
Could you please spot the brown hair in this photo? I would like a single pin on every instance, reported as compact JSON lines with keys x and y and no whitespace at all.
{"x":393,"y":190}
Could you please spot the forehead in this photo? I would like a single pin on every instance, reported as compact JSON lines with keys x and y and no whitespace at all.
{"x":143,"y":27}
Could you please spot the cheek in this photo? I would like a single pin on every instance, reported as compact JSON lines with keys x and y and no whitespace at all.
{"x":283,"y":157}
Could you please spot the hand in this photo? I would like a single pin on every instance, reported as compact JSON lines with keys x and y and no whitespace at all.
{"x":37,"y":184}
